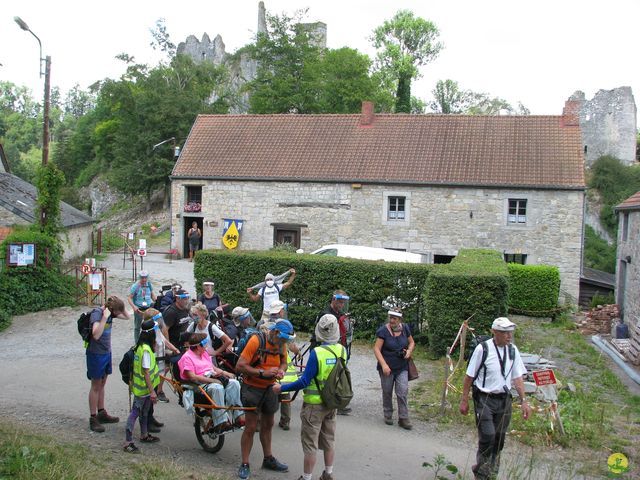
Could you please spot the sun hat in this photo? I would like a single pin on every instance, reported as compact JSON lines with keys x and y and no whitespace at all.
{"x":503,"y":324}
{"x":143,"y":274}
{"x":276,"y":307}
{"x":327,"y":330}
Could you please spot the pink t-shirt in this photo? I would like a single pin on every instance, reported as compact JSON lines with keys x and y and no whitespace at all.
{"x":198,"y":364}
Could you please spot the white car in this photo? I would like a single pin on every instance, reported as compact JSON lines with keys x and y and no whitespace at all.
{"x":370,"y":253}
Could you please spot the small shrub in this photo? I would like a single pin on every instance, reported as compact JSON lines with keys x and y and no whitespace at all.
{"x":533,"y":289}
{"x":602,"y":299}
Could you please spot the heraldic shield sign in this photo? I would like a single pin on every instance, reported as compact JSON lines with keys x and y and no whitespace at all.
{"x":231,"y":229}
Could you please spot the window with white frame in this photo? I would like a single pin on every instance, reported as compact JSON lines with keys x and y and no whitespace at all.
{"x":396,"y":209}
{"x":517,"y":214}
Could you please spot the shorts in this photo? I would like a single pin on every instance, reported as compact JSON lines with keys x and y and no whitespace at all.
{"x":318,"y":428}
{"x":98,"y":365}
{"x":264,"y":399}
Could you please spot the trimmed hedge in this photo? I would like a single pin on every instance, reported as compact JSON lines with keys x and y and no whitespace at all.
{"x":475,"y":283}
{"x":31,"y":289}
{"x":370,"y":284}
{"x":533,"y":289}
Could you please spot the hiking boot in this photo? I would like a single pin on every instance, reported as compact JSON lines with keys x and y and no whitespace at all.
{"x":153,"y":421}
{"x":325,"y":476}
{"x":244,"y":471}
{"x":94,"y":425}
{"x":388,"y":420}
{"x":104,"y":417}
{"x":271,"y":463}
{"x":152,"y":428}
{"x":405,"y":423}
{"x":162,"y":397}
{"x":344,"y":411}
{"x":283,"y":425}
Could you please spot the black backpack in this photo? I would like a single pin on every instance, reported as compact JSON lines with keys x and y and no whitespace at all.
{"x":84,"y":327}
{"x":337,"y":391}
{"x":484,"y":341}
{"x":126,"y":365}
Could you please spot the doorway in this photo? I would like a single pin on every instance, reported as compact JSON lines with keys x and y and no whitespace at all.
{"x":185,"y":230}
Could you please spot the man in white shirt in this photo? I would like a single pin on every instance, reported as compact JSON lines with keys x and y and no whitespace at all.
{"x":495,"y":364}
{"x":270,"y":291}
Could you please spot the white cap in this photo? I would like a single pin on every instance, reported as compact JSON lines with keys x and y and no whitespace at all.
{"x":276,"y":307}
{"x":395,"y":313}
{"x":503,"y":324}
{"x":143,"y":273}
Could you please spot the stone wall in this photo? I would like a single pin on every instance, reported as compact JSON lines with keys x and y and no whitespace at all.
{"x":76,"y":242}
{"x":440,"y":220}
{"x":608,"y":124}
{"x":628,"y":276}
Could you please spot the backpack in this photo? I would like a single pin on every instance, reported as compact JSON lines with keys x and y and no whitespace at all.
{"x":262,"y":348}
{"x":126,"y":365}
{"x":337,"y":391}
{"x":484,"y":341}
{"x":84,"y":327}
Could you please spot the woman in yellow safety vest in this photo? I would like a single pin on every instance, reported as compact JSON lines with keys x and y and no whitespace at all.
{"x":144,"y":379}
{"x":318,"y":421}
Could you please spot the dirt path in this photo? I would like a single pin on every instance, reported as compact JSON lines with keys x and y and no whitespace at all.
{"x":44,"y":383}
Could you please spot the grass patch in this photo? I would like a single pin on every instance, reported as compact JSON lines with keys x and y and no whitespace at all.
{"x":600,"y":414}
{"x":28,"y":455}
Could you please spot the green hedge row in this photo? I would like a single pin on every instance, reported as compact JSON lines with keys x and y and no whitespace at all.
{"x":533,"y":289}
{"x":371,"y":285}
{"x":475,"y":283}
{"x":31,"y":289}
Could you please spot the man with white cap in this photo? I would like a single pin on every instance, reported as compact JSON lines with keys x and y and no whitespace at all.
{"x":140,"y":298}
{"x":318,"y":421}
{"x":270,"y":291}
{"x":494,"y":366}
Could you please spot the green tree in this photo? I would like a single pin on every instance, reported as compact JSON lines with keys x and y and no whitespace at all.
{"x":449,"y":98}
{"x":405,"y":43}
{"x":346,"y":81}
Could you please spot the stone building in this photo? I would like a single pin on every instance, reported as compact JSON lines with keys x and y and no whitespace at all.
{"x":608,"y":122}
{"x":18,"y":200}
{"x":424,"y":183}
{"x":627,"y":271}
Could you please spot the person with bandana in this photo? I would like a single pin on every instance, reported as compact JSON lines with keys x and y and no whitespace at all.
{"x":491,"y":376}
{"x":176,"y":317}
{"x":270,"y":291}
{"x":393,"y":348}
{"x":196,"y":366}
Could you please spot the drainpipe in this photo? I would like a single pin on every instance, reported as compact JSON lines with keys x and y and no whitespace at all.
{"x":616,"y":358}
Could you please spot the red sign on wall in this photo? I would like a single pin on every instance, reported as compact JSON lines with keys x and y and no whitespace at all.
{"x":544,"y":377}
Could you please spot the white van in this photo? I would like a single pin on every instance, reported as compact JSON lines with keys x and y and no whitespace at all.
{"x":370,"y":253}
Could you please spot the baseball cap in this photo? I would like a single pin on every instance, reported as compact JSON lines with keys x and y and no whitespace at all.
{"x":239,"y":311}
{"x":503,"y":324}
{"x":284,"y":328}
{"x":276,"y":307}
{"x":143,"y":273}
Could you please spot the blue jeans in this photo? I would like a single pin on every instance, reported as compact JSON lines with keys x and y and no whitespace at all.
{"x":229,"y":396}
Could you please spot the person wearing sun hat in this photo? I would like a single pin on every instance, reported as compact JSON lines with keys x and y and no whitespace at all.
{"x":495,"y":366}
{"x":261,"y":367}
{"x":318,"y":421}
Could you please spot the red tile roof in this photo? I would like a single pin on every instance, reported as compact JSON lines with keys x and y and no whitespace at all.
{"x":514,"y":151}
{"x":631,"y":203}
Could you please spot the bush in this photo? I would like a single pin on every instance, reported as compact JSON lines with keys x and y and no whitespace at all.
{"x":598,"y":253}
{"x":370,"y":284}
{"x":533,"y":289}
{"x":475,"y":283}
{"x":602,"y":299}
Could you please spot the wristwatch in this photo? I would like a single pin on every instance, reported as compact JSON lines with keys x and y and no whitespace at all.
{"x":260,"y":373}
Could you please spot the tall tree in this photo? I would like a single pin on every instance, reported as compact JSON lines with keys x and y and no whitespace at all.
{"x":449,"y":98}
{"x":405,"y":43}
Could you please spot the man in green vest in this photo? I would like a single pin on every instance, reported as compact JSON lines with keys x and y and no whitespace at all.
{"x":318,"y":421}
{"x":144,"y":379}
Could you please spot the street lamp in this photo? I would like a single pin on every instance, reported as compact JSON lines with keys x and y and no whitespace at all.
{"x":176,"y":153}
{"x":47,"y":93}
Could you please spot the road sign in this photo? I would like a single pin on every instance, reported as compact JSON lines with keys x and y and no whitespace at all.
{"x":142,"y":252}
{"x":85,"y":268}
{"x":544,"y":377}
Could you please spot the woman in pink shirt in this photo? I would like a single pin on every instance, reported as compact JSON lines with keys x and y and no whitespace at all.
{"x":196,"y":366}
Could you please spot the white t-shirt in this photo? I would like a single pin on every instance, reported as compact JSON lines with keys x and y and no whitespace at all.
{"x":217,"y":332}
{"x":146,"y":360}
{"x":495,"y":380}
{"x":270,"y":295}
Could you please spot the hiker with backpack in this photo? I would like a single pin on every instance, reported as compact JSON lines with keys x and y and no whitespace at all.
{"x":145,"y":378}
{"x":176,"y":317}
{"x":269,"y":290}
{"x":393,"y":348}
{"x":162,"y":346}
{"x":318,"y":415}
{"x":208,"y":297}
{"x":262,"y":362}
{"x":494,"y":366}
{"x":201,"y":324}
{"x":140,"y":298}
{"x":98,"y":355}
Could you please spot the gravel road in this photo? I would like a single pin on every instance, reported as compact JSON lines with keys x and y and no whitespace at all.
{"x":44,"y":383}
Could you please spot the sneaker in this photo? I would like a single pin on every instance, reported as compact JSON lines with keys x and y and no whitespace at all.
{"x":131,"y":448}
{"x":244,"y":471}
{"x":152,"y":428}
{"x":162,"y":397}
{"x":388,"y":420}
{"x":153,"y":421}
{"x":405,"y":423}
{"x":283,"y":425}
{"x":325,"y":476}
{"x":344,"y":411}
{"x":94,"y":425}
{"x":271,"y":463}
{"x":104,"y":417}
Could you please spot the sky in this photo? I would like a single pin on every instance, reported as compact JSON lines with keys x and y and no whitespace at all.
{"x":535,"y":52}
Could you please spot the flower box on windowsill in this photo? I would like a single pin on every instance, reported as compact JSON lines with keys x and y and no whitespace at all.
{"x":193,"y":207}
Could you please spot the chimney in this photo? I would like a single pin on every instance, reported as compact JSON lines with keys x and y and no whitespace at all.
{"x":367,"y":115}
{"x":571,"y":113}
